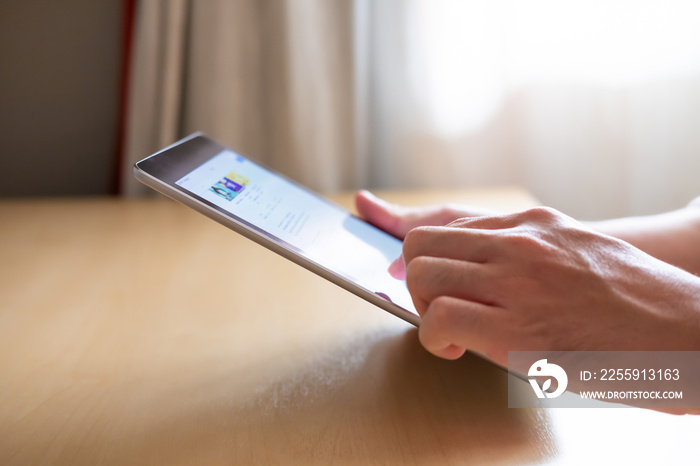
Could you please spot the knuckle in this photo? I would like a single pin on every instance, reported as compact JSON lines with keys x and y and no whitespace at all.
{"x":542,"y":214}
{"x":414,"y":238}
{"x":416,"y":272}
{"x":436,"y":321}
{"x":441,"y":309}
{"x":461,"y":222}
{"x":524,"y":241}
{"x":450,"y":212}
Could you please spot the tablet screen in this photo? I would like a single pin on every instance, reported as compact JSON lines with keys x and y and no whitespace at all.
{"x":315,"y":228}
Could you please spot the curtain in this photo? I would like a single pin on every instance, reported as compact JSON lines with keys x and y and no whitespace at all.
{"x":273,"y":80}
{"x":593,"y":106}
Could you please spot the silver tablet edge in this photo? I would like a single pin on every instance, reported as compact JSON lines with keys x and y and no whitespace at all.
{"x":329,"y":275}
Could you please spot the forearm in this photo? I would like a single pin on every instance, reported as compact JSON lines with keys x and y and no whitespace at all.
{"x":673,"y":237}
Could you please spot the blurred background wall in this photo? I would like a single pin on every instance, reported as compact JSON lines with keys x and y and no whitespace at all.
{"x":593,"y":106}
{"x":59,"y":72}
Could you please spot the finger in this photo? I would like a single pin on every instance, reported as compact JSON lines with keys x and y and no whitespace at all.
{"x":399,"y":220}
{"x":490,"y":222}
{"x":451,"y":326}
{"x":379,"y":213}
{"x":473,"y":245}
{"x":428,"y":278}
{"x":543,"y":216}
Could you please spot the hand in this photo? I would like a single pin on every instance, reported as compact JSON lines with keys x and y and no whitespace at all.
{"x":398,"y":220}
{"x":539,"y":280}
{"x":673,"y":237}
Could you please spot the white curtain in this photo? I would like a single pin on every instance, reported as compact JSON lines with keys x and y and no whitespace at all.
{"x":271,"y":79}
{"x":594,"y":106}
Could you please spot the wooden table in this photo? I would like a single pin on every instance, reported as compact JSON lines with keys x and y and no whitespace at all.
{"x":139,"y":332}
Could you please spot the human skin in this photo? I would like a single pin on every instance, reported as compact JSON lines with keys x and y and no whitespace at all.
{"x":539,"y":280}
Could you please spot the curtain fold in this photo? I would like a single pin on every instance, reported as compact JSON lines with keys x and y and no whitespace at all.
{"x":273,"y":80}
{"x":157,"y":80}
{"x":347,"y":94}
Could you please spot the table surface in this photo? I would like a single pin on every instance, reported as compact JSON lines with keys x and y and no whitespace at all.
{"x":139,"y":332}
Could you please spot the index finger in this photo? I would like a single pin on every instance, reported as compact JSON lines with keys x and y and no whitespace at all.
{"x":452,"y":326}
{"x":470,"y":245}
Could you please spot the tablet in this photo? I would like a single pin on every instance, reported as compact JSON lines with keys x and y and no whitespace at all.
{"x":282,"y":216}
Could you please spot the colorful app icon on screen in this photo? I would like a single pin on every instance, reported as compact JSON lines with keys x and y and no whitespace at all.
{"x":230,"y":186}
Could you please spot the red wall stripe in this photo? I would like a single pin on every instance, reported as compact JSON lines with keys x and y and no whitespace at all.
{"x":127,"y":36}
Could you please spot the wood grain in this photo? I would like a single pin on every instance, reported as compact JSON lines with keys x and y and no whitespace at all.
{"x":139,"y":332}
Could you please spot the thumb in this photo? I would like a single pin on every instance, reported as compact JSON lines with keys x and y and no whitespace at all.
{"x":379,"y":213}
